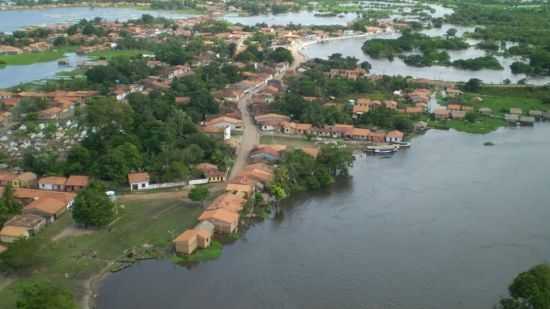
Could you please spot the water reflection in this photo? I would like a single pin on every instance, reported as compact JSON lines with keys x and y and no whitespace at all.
{"x":13,"y":75}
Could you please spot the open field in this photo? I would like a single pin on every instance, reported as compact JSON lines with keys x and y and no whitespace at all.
{"x":290,"y":141}
{"x":74,"y":258}
{"x":30,"y":58}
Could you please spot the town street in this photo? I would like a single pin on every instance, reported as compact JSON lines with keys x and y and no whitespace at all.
{"x":250,"y":138}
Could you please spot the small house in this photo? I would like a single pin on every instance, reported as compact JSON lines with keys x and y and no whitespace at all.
{"x":10,"y":234}
{"x":266,"y":154}
{"x":48,"y":208}
{"x":377,"y":137}
{"x":245,"y":190}
{"x":485,"y":111}
{"x":138,"y":181}
{"x":441,"y":113}
{"x":224,"y":221}
{"x":223,"y":122}
{"x":271,"y":121}
{"x":53,"y":183}
{"x":536,"y":114}
{"x":33,"y":223}
{"x":458,"y":114}
{"x":454,"y":107}
{"x":204,"y":237}
{"x":186,"y":242}
{"x":394,"y":136}
{"x":76,"y":183}
{"x":516,"y":111}
{"x":211,"y":172}
{"x":526,"y":120}
{"x":360,"y":134}
{"x":511,"y":118}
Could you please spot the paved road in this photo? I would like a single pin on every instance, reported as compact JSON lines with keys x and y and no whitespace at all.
{"x":250,"y":138}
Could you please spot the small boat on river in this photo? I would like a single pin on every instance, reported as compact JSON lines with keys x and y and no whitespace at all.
{"x":383,"y":149}
{"x":403,"y":144}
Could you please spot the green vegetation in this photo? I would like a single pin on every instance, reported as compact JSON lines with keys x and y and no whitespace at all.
{"x":298,"y":171}
{"x":507,"y":21}
{"x":475,"y":64}
{"x":529,"y":290}
{"x":409,"y":41}
{"x":121,"y":70}
{"x":30,"y":58}
{"x":44,"y":295}
{"x":9,"y":206}
{"x":112,"y":53}
{"x":202,"y":255}
{"x":499,"y":100}
{"x":92,"y":207}
{"x":74,"y":256}
{"x":481,"y":125}
{"x":198,"y":193}
{"x":386,"y":119}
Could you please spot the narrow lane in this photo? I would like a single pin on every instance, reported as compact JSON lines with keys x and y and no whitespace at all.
{"x":250,"y":138}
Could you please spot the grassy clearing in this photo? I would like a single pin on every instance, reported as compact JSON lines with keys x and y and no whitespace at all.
{"x":201,"y":255}
{"x":290,"y":141}
{"x":30,"y":58}
{"x":108,"y":54}
{"x":483,"y":125}
{"x":72,"y":260}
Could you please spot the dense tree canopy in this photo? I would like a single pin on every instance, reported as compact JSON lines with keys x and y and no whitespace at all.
{"x":529,"y":290}
{"x":92,"y":207}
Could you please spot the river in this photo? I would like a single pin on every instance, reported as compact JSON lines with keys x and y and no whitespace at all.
{"x":352,"y":47}
{"x":18,"y":19}
{"x":445,"y":224}
{"x":13,"y":75}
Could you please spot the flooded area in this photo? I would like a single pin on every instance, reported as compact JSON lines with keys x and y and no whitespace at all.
{"x":13,"y":75}
{"x":352,"y":47}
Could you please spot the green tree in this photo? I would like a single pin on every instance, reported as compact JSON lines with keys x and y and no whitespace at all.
{"x":198,"y":193}
{"x":473,"y":85}
{"x":337,"y":158}
{"x":529,"y":290}
{"x":451,"y":32}
{"x":9,"y":202}
{"x":281,"y":54}
{"x":44,"y":295}
{"x":92,"y":207}
{"x":22,"y":255}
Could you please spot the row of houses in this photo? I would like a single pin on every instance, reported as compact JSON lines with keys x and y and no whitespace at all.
{"x":282,"y":124}
{"x":73,"y":183}
{"x":223,"y":214}
{"x":41,"y":208}
{"x":140,"y":181}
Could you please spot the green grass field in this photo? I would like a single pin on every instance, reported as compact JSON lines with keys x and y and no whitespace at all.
{"x":30,"y":58}
{"x":72,"y":260}
{"x":483,"y":125}
{"x":290,"y":141}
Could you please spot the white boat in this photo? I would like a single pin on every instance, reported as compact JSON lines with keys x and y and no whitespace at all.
{"x":403,"y":144}
{"x":383,"y":149}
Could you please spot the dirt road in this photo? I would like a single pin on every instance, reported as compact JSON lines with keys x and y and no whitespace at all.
{"x":249,"y":139}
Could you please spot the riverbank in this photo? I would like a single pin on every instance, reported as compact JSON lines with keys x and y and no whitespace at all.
{"x":123,"y":5}
{"x":38,"y":57}
{"x":79,"y":261}
{"x":396,"y":225}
